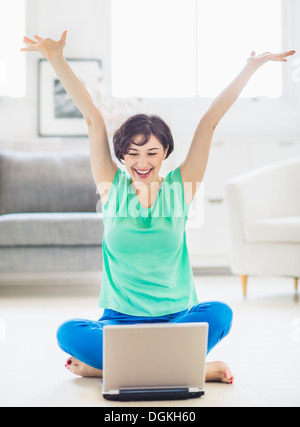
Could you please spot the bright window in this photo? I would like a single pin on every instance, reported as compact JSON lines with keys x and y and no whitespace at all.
{"x":153,"y":48}
{"x":12,"y":61}
{"x":188,"y":48}
{"x":228,"y":30}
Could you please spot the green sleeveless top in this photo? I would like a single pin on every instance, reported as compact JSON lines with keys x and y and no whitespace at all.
{"x":146,"y":265}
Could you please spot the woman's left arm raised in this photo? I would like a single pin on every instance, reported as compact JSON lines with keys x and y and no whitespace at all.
{"x":193,"y":167}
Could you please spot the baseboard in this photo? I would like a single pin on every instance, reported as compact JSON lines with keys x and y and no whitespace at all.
{"x":52,"y":278}
{"x":84,"y":277}
{"x":212,"y":271}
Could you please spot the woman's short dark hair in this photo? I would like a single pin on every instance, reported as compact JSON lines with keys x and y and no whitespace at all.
{"x":145,"y":125}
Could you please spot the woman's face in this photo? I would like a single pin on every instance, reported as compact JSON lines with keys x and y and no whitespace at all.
{"x":144,"y":162}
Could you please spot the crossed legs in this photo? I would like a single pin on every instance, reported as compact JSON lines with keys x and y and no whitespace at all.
{"x":82,"y":339}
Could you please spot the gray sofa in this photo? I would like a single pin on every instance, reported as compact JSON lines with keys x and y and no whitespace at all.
{"x":50,"y":213}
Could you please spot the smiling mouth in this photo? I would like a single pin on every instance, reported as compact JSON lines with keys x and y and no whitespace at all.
{"x":143,"y":173}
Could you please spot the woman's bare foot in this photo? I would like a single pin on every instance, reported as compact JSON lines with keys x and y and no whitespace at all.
{"x":81,"y":369}
{"x":218,"y":372}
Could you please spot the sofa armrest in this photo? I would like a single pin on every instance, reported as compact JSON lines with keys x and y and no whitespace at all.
{"x":268,"y":192}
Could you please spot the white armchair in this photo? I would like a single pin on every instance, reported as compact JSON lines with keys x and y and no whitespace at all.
{"x":264,"y":215}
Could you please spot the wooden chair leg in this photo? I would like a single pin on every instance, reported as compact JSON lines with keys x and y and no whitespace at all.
{"x":244,"y":284}
{"x":296,"y":279}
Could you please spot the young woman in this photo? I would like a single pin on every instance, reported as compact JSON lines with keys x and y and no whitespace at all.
{"x":147,"y":275}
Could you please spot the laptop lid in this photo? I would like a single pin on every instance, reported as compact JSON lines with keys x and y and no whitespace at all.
{"x":163,"y":355}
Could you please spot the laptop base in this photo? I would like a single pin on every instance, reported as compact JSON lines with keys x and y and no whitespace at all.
{"x":150,"y":394}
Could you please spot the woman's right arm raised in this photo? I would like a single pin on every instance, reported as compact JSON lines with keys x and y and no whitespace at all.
{"x":103,"y":167}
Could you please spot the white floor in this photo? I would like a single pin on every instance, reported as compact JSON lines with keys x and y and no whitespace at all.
{"x":263,"y":348}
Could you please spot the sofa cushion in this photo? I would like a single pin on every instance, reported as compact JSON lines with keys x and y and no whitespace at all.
{"x":50,"y":259}
{"x":46,"y":182}
{"x":276,"y":230}
{"x":51,"y":229}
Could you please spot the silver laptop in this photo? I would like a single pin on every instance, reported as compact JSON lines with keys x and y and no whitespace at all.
{"x":162,"y":361}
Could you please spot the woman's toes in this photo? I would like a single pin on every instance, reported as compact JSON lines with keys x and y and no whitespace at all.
{"x":71,"y":364}
{"x":81,"y":369}
{"x":218,"y":371}
{"x":228,"y":377}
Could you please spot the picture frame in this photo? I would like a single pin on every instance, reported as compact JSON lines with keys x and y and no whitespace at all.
{"x":57,"y":114}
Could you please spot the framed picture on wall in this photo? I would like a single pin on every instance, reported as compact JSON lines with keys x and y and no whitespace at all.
{"x":58,"y":116}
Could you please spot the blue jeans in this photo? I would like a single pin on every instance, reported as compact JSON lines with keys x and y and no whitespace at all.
{"x":83,"y":339}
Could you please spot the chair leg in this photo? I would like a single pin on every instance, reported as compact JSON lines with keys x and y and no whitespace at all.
{"x":296,"y":279}
{"x":244,"y":285}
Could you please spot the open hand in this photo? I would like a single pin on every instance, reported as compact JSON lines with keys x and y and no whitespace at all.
{"x":47,"y":47}
{"x":258,"y":60}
